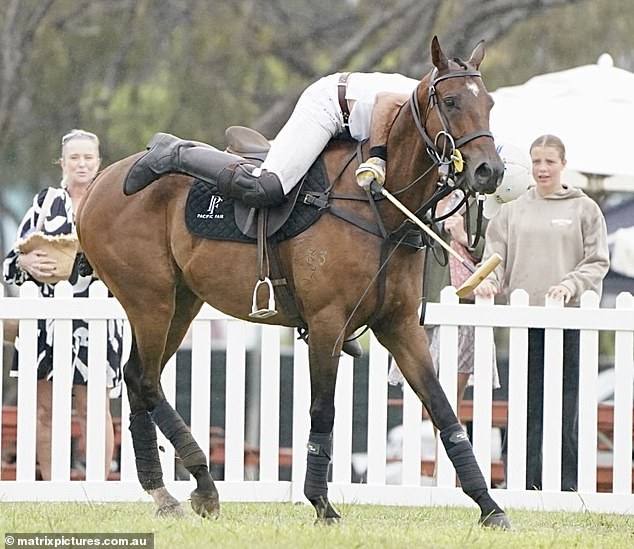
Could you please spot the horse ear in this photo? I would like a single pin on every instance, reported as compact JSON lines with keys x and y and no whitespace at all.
{"x":477,"y":55}
{"x":438,"y":57}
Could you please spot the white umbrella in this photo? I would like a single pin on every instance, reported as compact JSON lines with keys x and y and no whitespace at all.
{"x":591,"y":108}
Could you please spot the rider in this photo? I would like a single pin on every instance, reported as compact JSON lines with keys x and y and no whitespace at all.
{"x":329,"y":106}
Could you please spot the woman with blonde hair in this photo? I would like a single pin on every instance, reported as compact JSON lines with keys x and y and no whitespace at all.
{"x":52,"y":211}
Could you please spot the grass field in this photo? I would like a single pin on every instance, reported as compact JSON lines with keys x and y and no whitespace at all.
{"x":285,"y":525}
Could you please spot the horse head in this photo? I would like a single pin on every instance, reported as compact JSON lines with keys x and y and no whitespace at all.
{"x":454,"y":123}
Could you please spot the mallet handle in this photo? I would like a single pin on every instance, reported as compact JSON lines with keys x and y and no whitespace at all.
{"x":425,"y":228}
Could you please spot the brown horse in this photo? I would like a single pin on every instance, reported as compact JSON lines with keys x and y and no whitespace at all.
{"x":140,"y":247}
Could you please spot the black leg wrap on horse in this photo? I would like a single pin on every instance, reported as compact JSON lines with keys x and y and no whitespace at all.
{"x":175,"y":430}
{"x":148,"y":465}
{"x":317,"y":464}
{"x":460,"y":452}
{"x":316,"y":481}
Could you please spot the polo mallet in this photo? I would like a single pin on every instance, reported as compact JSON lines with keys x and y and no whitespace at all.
{"x":477,"y":275}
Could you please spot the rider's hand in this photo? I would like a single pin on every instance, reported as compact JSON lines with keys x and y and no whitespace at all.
{"x":486,"y":288}
{"x":373,"y":169}
{"x":37,"y":263}
{"x":559,"y":291}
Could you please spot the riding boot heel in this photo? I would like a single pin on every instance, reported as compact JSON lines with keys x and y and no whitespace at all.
{"x":162,"y":150}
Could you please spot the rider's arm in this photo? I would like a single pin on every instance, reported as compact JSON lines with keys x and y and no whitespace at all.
{"x":386,"y":107}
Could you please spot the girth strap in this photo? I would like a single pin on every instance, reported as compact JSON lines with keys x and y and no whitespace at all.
{"x":284,"y":291}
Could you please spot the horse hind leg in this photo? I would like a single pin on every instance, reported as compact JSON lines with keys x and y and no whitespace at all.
{"x":157,"y":411}
{"x":144,"y":444}
{"x":204,"y":498}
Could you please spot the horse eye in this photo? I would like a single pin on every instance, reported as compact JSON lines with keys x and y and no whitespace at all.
{"x":449,"y":102}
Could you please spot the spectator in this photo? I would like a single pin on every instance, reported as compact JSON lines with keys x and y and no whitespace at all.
{"x":79,"y":162}
{"x":553,"y":241}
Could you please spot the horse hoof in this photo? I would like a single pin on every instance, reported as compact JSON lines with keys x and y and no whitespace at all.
{"x":496,"y":520}
{"x":170,"y":510}
{"x":327,"y":521}
{"x":207,"y":506}
{"x":327,"y":515}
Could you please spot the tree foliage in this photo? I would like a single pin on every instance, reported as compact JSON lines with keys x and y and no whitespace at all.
{"x":128,"y":68}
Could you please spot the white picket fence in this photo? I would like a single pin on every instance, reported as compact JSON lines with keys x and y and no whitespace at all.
{"x":517,"y":317}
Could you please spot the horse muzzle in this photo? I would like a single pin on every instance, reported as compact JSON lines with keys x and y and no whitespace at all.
{"x":486,"y":176}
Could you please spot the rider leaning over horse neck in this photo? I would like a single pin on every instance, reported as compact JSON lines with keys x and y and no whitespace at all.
{"x":363,"y":103}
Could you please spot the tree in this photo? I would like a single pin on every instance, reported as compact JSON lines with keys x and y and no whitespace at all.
{"x":128,"y":68}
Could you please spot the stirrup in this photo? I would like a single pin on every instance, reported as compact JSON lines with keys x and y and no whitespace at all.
{"x":267,"y":312}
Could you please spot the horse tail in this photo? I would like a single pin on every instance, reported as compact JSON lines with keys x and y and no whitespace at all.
{"x":84,"y":268}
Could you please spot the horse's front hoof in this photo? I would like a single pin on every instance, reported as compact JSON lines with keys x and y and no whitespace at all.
{"x":207,"y":506}
{"x":496,"y":520}
{"x":170,"y":510}
{"x":326,"y":514}
{"x":327,"y":521}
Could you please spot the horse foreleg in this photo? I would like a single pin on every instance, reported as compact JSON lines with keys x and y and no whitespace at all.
{"x":460,"y":452}
{"x":316,"y":481}
{"x":412,"y":355}
{"x":204,"y":499}
{"x":323,"y":376}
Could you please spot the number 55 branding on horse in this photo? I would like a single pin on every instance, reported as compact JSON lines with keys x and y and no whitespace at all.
{"x":348,"y":259}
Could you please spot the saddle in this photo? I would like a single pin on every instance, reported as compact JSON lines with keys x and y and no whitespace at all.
{"x":253,"y":146}
{"x":209,"y":216}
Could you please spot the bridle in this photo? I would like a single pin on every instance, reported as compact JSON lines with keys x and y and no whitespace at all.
{"x":444,"y":156}
{"x":447,"y":158}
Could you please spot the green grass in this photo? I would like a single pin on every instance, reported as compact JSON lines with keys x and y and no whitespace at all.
{"x":284,"y":525}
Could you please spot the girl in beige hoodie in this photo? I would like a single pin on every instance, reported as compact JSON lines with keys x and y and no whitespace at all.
{"x":553,"y":241}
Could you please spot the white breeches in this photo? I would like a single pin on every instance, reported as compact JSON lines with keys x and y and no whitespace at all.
{"x":316,"y":119}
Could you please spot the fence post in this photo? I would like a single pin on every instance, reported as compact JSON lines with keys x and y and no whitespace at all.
{"x":96,"y":391}
{"x":623,"y":395}
{"x":234,"y":417}
{"x":27,"y":390}
{"x":448,"y":368}
{"x":63,"y":373}
{"x":270,"y":403}
{"x":301,"y":418}
{"x":483,"y":390}
{"x":588,"y":377}
{"x":517,"y":399}
{"x":377,"y":412}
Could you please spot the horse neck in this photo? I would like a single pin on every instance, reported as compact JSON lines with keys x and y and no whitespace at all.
{"x":408,"y":161}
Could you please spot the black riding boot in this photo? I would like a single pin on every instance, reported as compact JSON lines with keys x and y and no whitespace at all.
{"x":263,"y":191}
{"x":226,"y":172}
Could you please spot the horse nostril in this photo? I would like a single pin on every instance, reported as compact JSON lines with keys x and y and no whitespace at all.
{"x":484,"y":172}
